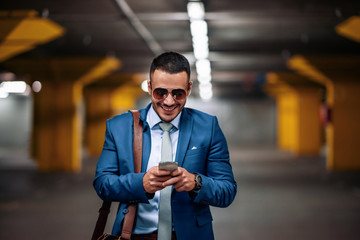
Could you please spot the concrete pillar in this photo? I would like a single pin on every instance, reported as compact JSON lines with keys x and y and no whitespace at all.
{"x":58,"y":107}
{"x":116,"y":96}
{"x":343,"y":129}
{"x":340,"y":77}
{"x":287,"y":120}
{"x":57,"y":124}
{"x":298,"y":113}
{"x":98,"y":110}
{"x":310,"y":128}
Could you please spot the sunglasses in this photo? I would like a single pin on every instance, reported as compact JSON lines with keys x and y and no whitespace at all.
{"x":162,"y":93}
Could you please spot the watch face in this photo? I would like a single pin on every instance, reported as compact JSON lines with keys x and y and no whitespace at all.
{"x":198,"y":179}
{"x":198,"y":182}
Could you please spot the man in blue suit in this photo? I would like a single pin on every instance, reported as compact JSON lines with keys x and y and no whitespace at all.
{"x":204,"y":175}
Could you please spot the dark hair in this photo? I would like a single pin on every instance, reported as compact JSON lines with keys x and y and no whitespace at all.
{"x":170,"y":62}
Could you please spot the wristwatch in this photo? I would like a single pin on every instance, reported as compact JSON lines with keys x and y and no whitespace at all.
{"x":198,"y":182}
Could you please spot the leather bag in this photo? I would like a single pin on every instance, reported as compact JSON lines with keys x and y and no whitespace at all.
{"x":104,"y":211}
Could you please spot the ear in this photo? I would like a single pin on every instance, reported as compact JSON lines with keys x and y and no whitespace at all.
{"x":149,"y":86}
{"x":189,"y":88}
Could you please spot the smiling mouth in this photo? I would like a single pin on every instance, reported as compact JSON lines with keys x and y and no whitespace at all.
{"x":168,"y":109}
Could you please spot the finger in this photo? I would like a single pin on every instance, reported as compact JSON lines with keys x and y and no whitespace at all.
{"x":157,"y":172}
{"x":171,"y":181}
{"x":155,"y":186}
{"x":179,"y":186}
{"x":180,"y":189}
{"x":162,"y":179}
{"x":179,"y":171}
{"x":176,"y":172}
{"x":163,"y":173}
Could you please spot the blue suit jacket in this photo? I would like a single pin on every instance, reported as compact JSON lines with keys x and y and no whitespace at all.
{"x":202,"y":149}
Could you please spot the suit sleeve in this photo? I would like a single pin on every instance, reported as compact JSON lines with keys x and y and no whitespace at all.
{"x":114,"y":181}
{"x":218,"y":183}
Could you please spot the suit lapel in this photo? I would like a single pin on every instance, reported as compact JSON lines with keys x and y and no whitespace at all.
{"x":146,"y":139}
{"x":186,"y":124}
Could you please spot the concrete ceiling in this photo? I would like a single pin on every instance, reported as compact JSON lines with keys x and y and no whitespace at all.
{"x":246,"y":38}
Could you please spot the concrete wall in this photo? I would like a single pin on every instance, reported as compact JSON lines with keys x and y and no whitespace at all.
{"x":15,"y":121}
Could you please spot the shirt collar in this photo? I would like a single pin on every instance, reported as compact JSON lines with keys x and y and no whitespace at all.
{"x":153,"y":119}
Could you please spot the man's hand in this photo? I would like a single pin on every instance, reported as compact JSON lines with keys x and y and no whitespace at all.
{"x":154,"y":179}
{"x":181,"y":179}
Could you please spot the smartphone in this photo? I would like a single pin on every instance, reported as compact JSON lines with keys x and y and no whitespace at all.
{"x":169,"y":166}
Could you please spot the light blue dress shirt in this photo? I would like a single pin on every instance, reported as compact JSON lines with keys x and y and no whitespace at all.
{"x":147,"y":214}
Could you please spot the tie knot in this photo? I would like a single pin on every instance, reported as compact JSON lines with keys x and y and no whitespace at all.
{"x":165,"y":126}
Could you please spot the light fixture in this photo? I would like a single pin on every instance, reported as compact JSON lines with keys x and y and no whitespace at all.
{"x":196,"y":10}
{"x":3,"y":94}
{"x":144,"y":85}
{"x":36,"y":86}
{"x":200,"y":41}
{"x":203,"y":67}
{"x":13,"y":86}
{"x":198,"y":28}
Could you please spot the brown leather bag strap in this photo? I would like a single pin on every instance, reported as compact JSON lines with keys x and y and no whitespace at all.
{"x":137,"y":142}
{"x":105,"y":208}
{"x":137,"y":149}
{"x":102,"y":219}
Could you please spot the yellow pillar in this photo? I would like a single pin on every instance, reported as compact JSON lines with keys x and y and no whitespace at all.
{"x":298,"y":118}
{"x":343,"y":130}
{"x":287,"y":120}
{"x":310,"y":128}
{"x":340,"y":77}
{"x":56,"y":118}
{"x":103,"y":101}
{"x":98,"y":110}
{"x":57,"y":132}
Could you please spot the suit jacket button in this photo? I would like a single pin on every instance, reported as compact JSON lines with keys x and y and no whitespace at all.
{"x":125,"y":211}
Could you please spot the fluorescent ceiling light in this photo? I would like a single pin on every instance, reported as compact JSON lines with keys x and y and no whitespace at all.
{"x":14,"y":86}
{"x":198,"y":28}
{"x":200,"y":40}
{"x":3,"y":94}
{"x":195,"y":10}
{"x":201,"y":52}
{"x":203,"y":67}
{"x":204,"y":78}
{"x":206,"y":95}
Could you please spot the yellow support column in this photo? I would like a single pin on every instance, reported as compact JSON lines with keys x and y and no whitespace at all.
{"x":58,"y":107}
{"x":343,"y":130}
{"x":298,"y":106}
{"x":310,"y":128}
{"x":55,"y":120}
{"x":124,"y":98}
{"x":287,"y":120}
{"x":98,"y":110}
{"x":105,"y":99}
{"x":340,"y":77}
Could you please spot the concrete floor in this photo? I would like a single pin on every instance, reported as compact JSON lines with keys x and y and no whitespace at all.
{"x":280,"y":196}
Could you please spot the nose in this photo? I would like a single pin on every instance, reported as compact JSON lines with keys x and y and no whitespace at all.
{"x":169,"y":100}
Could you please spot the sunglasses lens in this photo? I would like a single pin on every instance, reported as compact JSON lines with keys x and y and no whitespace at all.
{"x":178,"y":94}
{"x":160,"y":93}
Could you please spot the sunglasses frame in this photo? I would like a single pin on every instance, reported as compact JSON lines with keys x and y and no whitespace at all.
{"x":169,"y":92}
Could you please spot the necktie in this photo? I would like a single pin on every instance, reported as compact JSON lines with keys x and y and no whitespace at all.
{"x":165,"y":221}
